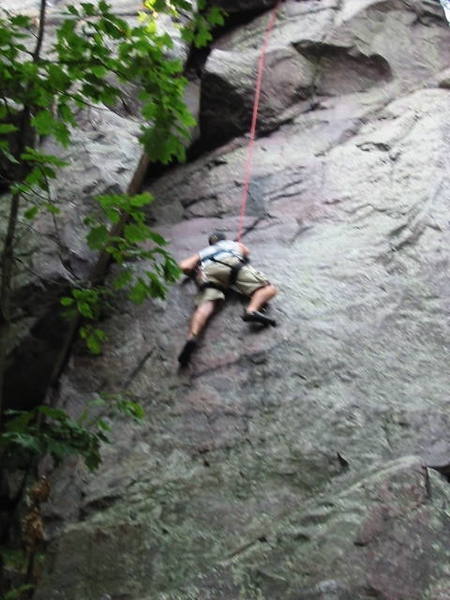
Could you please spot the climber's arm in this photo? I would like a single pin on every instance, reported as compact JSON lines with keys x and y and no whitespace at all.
{"x":245,"y":251}
{"x":188,"y":264}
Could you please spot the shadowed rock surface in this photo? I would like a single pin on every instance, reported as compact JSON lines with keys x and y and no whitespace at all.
{"x":286,"y":464}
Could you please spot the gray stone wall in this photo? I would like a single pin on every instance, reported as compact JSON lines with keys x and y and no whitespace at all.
{"x":295,"y":463}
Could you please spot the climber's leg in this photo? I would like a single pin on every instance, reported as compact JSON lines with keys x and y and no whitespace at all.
{"x":198,"y":321}
{"x":255,"y":284}
{"x":258,"y":299}
{"x":201,"y":317}
{"x":261,"y":297}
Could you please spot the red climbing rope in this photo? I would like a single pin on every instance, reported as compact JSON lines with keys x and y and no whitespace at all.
{"x":259,"y":79}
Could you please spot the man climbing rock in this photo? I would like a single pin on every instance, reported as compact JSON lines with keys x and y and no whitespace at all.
{"x":224,"y":264}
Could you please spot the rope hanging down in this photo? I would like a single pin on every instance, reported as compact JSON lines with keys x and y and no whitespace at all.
{"x":259,"y":79}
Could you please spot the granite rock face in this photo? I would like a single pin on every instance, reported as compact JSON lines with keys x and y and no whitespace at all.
{"x":304,"y":462}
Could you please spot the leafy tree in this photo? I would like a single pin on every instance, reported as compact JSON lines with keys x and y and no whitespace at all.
{"x":60,"y":435}
{"x":93,"y":54}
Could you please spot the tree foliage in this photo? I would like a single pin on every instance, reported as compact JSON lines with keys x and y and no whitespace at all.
{"x":43,"y":88}
{"x":60,"y":435}
{"x":93,"y":54}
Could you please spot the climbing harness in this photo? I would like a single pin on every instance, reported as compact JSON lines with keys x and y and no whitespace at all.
{"x":234,"y":270}
{"x":249,"y":161}
{"x":221,"y":251}
{"x":218,"y":252}
{"x":211,"y":284}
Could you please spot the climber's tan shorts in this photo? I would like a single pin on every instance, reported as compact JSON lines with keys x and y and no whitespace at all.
{"x":248,"y":281}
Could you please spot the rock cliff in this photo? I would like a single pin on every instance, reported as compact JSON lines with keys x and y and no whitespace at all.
{"x":306,"y":462}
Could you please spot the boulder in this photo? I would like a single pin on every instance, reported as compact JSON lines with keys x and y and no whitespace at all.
{"x":364,"y":47}
{"x":228,"y":89}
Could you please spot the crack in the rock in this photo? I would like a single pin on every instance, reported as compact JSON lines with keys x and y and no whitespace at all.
{"x":369,"y":117}
{"x":444,"y":470}
{"x":254,"y":225}
{"x":283,"y":192}
{"x":417,"y":223}
{"x":211,"y":197}
{"x":137,"y":369}
{"x":289,"y":195}
{"x":302,"y":228}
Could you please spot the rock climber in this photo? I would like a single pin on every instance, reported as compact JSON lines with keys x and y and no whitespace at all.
{"x":224,"y":264}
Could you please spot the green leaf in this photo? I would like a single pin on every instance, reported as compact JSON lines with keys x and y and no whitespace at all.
{"x":57,"y":79}
{"x":17,"y":592}
{"x":141,"y":200}
{"x":35,"y":177}
{"x":136,"y":233}
{"x":101,"y":424}
{"x":89,"y":9}
{"x":174,"y":66}
{"x":44,"y":122}
{"x":52,"y":208}
{"x":85,"y":309}
{"x":215,"y":16}
{"x":66,"y":301}
{"x":158,"y":239}
{"x":24,"y":440}
{"x":130,"y":409}
{"x":31,"y":212}
{"x":139,"y":292}
{"x":92,"y":460}
{"x":72,"y":10}
{"x":157,"y":288}
{"x":20,"y":422}
{"x":94,"y":338}
{"x":11,"y":158}
{"x":58,"y":449}
{"x":21,"y":21}
{"x":33,"y":155}
{"x":7,"y":128}
{"x":98,"y":71}
{"x":54,"y":413}
{"x":123,"y":279}
{"x":4,"y":150}
{"x":97,"y":237}
{"x":66,"y":113}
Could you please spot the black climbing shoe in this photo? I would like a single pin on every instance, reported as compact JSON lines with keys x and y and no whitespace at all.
{"x":258,"y":317}
{"x":185,"y":355}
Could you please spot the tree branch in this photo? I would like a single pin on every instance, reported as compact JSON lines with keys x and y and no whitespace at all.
{"x":40,"y":33}
{"x":7,"y":258}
